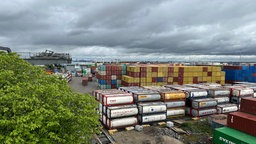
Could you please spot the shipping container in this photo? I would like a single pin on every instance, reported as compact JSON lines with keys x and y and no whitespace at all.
{"x":242,"y":92}
{"x":121,"y":122}
{"x":114,"y":100}
{"x":120,"y":111}
{"x":144,"y":119}
{"x":203,"y":112}
{"x":173,"y":104}
{"x":149,"y":108}
{"x":221,"y":100}
{"x":219,"y":92}
{"x":195,"y":93}
{"x":243,"y":122}
{"x":203,"y":103}
{"x":227,"y":108}
{"x":227,"y":135}
{"x":175,"y":112}
{"x":172,"y":95}
{"x":248,"y":105}
{"x":145,"y":97}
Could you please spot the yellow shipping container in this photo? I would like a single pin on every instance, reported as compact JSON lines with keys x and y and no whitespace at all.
{"x":218,"y":78}
{"x":195,"y":74}
{"x":165,"y":69}
{"x":222,"y":82}
{"x":213,"y":79}
{"x":160,"y":74}
{"x":176,"y":69}
{"x":222,"y":73}
{"x":204,"y":79}
{"x":136,"y":80}
{"x":222,"y":78}
{"x":209,"y":79}
{"x":149,"y":69}
{"x":200,"y":79}
{"x":205,"y":74}
{"x":175,"y":74}
{"x":175,"y":83}
{"x":165,"y":74}
{"x":148,"y":79}
{"x":170,"y":79}
{"x":154,"y":74}
{"x":173,"y":95}
{"x":149,"y":74}
{"x":143,"y":80}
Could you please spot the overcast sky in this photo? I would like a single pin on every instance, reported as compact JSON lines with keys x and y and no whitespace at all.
{"x":123,"y":27}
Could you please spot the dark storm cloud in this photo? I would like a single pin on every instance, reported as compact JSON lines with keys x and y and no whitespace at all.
{"x":127,"y":27}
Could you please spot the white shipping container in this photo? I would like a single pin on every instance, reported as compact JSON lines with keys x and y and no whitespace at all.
{"x":203,"y":112}
{"x":115,"y":112}
{"x":173,"y":112}
{"x":173,"y":104}
{"x":222,"y":99}
{"x":152,"y":118}
{"x":242,"y":92}
{"x":196,"y":93}
{"x":146,"y":108}
{"x":218,"y":92}
{"x":121,"y":122}
{"x":227,"y":108}
{"x":203,"y":103}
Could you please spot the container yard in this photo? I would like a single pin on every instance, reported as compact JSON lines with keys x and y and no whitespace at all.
{"x":173,"y":110}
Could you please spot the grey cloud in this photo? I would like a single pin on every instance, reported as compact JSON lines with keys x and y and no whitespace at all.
{"x":196,"y":27}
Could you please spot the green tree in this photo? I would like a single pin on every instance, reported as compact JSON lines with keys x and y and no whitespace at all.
{"x":40,"y":108}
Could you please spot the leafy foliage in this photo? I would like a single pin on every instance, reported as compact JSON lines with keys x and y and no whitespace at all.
{"x":38,"y":108}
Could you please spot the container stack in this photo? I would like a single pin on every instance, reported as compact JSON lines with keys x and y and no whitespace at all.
{"x":247,"y":85}
{"x":117,"y":108}
{"x":151,"y":109}
{"x":175,"y":100}
{"x":163,"y":74}
{"x":222,"y":95}
{"x":240,"y":92}
{"x":197,"y":101}
{"x":110,"y":76}
{"x":241,"y":125}
{"x":240,"y":74}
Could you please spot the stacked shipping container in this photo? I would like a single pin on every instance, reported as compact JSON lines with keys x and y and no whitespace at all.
{"x":240,"y":74}
{"x":163,"y":74}
{"x":117,"y":108}
{"x":151,"y":109}
{"x":109,"y":76}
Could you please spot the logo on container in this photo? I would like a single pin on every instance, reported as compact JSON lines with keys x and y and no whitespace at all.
{"x":226,"y":141}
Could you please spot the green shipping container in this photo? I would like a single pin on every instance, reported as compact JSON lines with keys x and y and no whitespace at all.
{"x":226,"y":135}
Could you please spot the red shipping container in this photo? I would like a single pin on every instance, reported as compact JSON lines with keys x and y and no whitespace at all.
{"x":243,"y":122}
{"x":143,"y":74}
{"x":209,"y":74}
{"x":170,"y":74}
{"x":170,"y":69}
{"x":175,"y":79}
{"x":154,"y":69}
{"x":181,"y":69}
{"x":248,"y":105}
{"x":205,"y":69}
{"x":143,"y":69}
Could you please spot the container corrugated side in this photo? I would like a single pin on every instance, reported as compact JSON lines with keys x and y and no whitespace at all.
{"x":243,"y":122}
{"x":248,"y":105}
{"x":227,"y":135}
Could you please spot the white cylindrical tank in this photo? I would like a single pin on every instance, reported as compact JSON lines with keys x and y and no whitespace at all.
{"x":117,"y":99}
{"x":222,"y":99}
{"x":203,"y":112}
{"x":152,"y":118}
{"x":121,"y":122}
{"x":173,"y":112}
{"x":227,"y":108}
{"x":196,"y":93}
{"x":242,"y":92}
{"x":121,"y":111}
{"x":218,"y":92}
{"x":203,"y":103}
{"x":173,"y":104}
{"x":100,"y":107}
{"x":146,"y":108}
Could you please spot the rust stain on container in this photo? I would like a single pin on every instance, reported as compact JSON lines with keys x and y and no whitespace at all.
{"x":243,"y":122}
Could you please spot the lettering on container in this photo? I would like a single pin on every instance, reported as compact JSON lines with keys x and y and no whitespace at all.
{"x":226,"y":141}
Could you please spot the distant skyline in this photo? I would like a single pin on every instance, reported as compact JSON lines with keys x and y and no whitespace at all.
{"x":130,"y":27}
